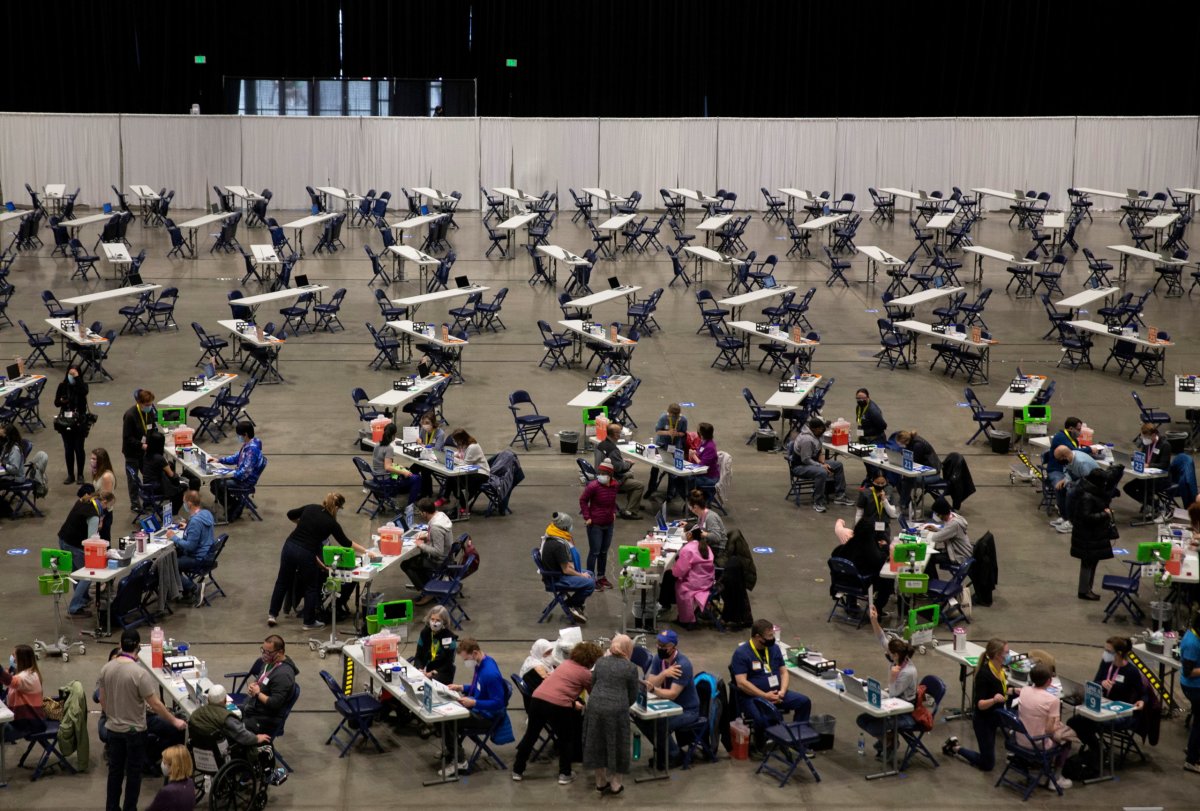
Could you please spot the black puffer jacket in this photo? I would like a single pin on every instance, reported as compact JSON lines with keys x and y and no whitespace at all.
{"x":1089,"y":522}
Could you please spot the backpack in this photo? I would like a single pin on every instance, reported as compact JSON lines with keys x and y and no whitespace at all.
{"x":469,"y":549}
{"x":921,"y":715}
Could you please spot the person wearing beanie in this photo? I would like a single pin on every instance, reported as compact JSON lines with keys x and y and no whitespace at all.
{"x":558,"y":554}
{"x":598,"y":505}
{"x":951,"y":541}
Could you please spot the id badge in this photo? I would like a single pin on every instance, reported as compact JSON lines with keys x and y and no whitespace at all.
{"x":880,"y":526}
{"x":756,"y":665}
{"x":773,"y":681}
{"x":1119,"y":678}
{"x":858,"y":434}
{"x":447,"y":642}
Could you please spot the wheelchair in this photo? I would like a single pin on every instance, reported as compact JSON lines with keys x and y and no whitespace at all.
{"x":229,"y":777}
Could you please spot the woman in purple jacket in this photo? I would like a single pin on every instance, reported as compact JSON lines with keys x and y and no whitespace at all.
{"x":598,"y":505}
{"x":706,"y":455}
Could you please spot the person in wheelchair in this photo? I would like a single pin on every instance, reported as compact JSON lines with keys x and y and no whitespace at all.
{"x":215,"y":729}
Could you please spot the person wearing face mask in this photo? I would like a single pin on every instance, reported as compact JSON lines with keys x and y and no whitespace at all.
{"x":1091,"y":528}
{"x":1158,"y":454}
{"x":213,"y":726}
{"x":271,"y":687}
{"x":178,"y":794}
{"x":436,"y":646}
{"x":557,"y":702}
{"x":73,"y":421}
{"x":1119,"y":681}
{"x":538,"y":665}
{"x":669,"y":432}
{"x":137,"y":423}
{"x":1189,"y":681}
{"x":1067,"y":438}
{"x":694,"y":573}
{"x":992,"y":690}
{"x":158,"y":472}
{"x":598,"y":505}
{"x":869,"y":424}
{"x":23,"y":681}
{"x":250,"y":463}
{"x":433,"y":544}
{"x":483,"y":696}
{"x":760,"y":674}
{"x":1076,"y":465}
{"x":195,"y":544}
{"x":901,"y":683}
{"x":671,"y":678}
{"x":606,"y":735}
{"x":12,"y":464}
{"x":82,"y":522}
{"x":558,"y":554}
{"x":875,"y":505}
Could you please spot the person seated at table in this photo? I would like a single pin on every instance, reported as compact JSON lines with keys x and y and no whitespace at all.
{"x":923,"y":454}
{"x":12,"y":464}
{"x":1119,"y":680}
{"x":383,"y":463}
{"x":558,"y":554}
{"x":178,"y":793}
{"x":1158,"y":455}
{"x":694,"y":574}
{"x":213,"y":723}
{"x":1040,"y":712}
{"x":23,"y":680}
{"x":436,"y":645}
{"x":631,"y":488}
{"x":467,"y":451}
{"x":760,"y":675}
{"x":709,"y":525}
{"x":484,"y":697}
{"x":268,"y":694}
{"x":195,"y":545}
{"x":670,"y":432}
{"x":250,"y":462}
{"x":433,"y":544}
{"x":867,"y":549}
{"x":671,"y":677}
{"x":807,"y":460}
{"x":991,"y":692}
{"x":875,"y":505}
{"x":1075,"y":464}
{"x":901,"y":683}
{"x":538,"y":664}
{"x":706,"y":454}
{"x":430,"y":433}
{"x":951,"y":541}
{"x":558,"y":703}
{"x":161,"y":475}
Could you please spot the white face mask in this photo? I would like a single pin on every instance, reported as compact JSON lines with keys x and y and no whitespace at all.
{"x":166,"y":770}
{"x":1146,"y":440}
{"x":603,"y":479}
{"x":1107,"y":656}
{"x":435,"y":625}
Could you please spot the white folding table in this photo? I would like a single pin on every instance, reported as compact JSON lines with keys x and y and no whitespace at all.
{"x":413,"y":303}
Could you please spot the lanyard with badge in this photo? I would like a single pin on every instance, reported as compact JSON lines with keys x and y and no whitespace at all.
{"x":858,"y":417}
{"x":880,"y":526}
{"x":764,"y":662}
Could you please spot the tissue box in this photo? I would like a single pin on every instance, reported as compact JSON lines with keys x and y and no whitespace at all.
{"x":177,"y":664}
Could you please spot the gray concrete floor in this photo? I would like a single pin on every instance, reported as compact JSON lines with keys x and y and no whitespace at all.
{"x":308,"y":428}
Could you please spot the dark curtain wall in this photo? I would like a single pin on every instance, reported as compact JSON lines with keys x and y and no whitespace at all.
{"x":619,"y":57}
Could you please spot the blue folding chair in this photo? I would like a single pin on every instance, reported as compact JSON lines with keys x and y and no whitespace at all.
{"x":529,"y":426}
{"x":1125,"y":592}
{"x":985,"y":419}
{"x":358,"y":712}
{"x":1031,"y":757}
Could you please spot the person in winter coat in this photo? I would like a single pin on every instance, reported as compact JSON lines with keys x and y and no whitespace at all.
{"x":71,"y":400}
{"x":739,"y":575}
{"x":1090,"y":530}
{"x":598,"y":505}
{"x":867,"y":549}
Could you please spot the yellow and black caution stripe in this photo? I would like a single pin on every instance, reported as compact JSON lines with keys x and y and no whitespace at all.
{"x":1152,"y":677}
{"x":347,"y":675}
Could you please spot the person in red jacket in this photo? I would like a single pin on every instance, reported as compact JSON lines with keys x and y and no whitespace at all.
{"x":598,"y":505}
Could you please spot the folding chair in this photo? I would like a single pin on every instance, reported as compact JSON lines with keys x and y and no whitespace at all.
{"x":799,"y":237}
{"x":529,"y":426}
{"x":914,"y":737}
{"x":480,"y":738}
{"x":446,"y":588}
{"x":729,"y":348}
{"x":763,"y":417}
{"x":558,"y":593}
{"x":1125,"y":592}
{"x":1076,"y":346}
{"x":788,"y":744}
{"x":47,"y":739}
{"x":1028,"y":756}
{"x":540,"y":274}
{"x":380,"y":491}
{"x":985,"y":419}
{"x":357,"y":711}
{"x":848,"y":587}
{"x":894,"y":345}
{"x":947,"y":595}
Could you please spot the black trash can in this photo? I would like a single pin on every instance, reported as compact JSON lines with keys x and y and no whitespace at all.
{"x":1001,"y":441}
{"x":766,"y":440}
{"x":568,"y":441}
{"x":1178,"y":440}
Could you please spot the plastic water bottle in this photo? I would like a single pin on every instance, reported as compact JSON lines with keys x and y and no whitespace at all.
{"x":862,"y":745}
{"x":637,"y":745}
{"x":204,"y":670}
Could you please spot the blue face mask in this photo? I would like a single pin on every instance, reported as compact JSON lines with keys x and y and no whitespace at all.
{"x":72,"y":379}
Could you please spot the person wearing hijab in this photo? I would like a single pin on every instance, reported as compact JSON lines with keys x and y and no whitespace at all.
{"x":538,"y":664}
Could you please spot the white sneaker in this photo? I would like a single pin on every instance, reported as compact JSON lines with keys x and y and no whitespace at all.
{"x":315,"y":625}
{"x":517,"y":778}
{"x":452,"y":770}
{"x":819,"y":508}
{"x":566,"y":779}
{"x":271,"y":621}
{"x":1063,"y":783}
{"x":1064,"y":527}
{"x":1057,"y":521}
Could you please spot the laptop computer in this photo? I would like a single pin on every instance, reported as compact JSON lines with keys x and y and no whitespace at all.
{"x":614,"y":282}
{"x":462,"y":281}
{"x":856,"y":689}
{"x":13,"y":371}
{"x":301,"y":280}
{"x":769,"y":282}
{"x":1072,"y":692}
{"x":209,"y":371}
{"x":134,"y":280}
{"x":1133,"y":193}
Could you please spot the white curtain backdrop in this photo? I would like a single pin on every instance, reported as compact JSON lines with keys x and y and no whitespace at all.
{"x":753,"y":153}
{"x":1012,"y":153}
{"x":650,"y":154}
{"x":286,"y":154}
{"x":536,"y":154}
{"x":1140,"y":153}
{"x":913,"y":154}
{"x":187,"y":153}
{"x":79,"y":150}
{"x":438,"y":152}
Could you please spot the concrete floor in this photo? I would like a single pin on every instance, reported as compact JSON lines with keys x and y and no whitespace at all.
{"x":308,"y":429}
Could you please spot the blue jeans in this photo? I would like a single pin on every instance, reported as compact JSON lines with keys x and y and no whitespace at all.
{"x":1060,"y":496}
{"x":798,"y":703}
{"x":79,"y":598}
{"x":126,"y":755}
{"x":599,"y":539}
{"x":582,"y":588}
{"x":651,"y":732}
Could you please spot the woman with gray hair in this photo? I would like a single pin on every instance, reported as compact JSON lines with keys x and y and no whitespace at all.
{"x":606,"y":738}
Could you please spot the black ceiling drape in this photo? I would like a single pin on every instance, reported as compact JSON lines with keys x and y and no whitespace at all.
{"x":630,"y":58}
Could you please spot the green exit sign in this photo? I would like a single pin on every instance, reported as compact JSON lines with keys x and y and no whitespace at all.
{"x":510,"y":63}
{"x":200,"y":59}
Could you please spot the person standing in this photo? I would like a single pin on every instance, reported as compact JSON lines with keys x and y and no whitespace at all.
{"x":870,"y":426}
{"x":606,"y":736}
{"x":669,"y":432}
{"x":598,"y":505}
{"x":104,"y":479}
{"x":557,"y":703}
{"x":671,"y":677}
{"x":300,"y":557}
{"x":126,"y":690}
{"x":628,"y":486}
{"x":73,"y":421}
{"x":1091,"y":530}
{"x":923,"y":454}
{"x":138,"y":422}
{"x":991,"y":692}
{"x":433,"y":544}
{"x":1189,"y":680}
{"x":82,"y":522}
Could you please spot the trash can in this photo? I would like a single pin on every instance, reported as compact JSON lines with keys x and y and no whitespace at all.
{"x":568,"y":441}
{"x":739,"y":736}
{"x":823,"y":725}
{"x":1178,"y":440}
{"x":1001,"y":441}
{"x":1162,"y":612}
{"x":766,"y":440}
